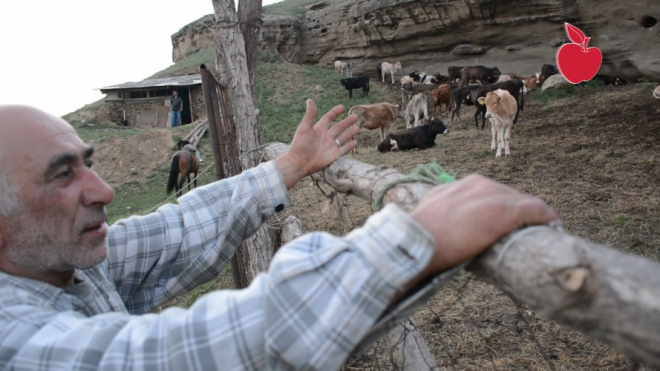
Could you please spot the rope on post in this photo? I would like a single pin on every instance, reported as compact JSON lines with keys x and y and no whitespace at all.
{"x":431,"y":173}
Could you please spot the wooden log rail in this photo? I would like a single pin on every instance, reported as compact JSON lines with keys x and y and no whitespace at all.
{"x":602,"y":292}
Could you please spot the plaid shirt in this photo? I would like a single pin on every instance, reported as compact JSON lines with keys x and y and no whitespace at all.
{"x":323,"y":297}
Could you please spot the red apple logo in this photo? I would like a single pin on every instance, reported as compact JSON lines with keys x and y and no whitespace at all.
{"x":575,"y":61}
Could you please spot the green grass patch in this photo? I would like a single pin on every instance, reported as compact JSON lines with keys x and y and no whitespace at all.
{"x":548,"y":95}
{"x":636,"y":241}
{"x":135,"y":198}
{"x":283,"y":89}
{"x":477,"y":154}
{"x":206,"y":56}
{"x":87,"y":107}
{"x":98,"y":131}
{"x":620,"y":220}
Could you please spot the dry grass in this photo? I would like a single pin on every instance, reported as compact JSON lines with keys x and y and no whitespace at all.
{"x":592,"y":157}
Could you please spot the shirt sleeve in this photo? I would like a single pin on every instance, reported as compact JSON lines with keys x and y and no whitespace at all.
{"x":155,"y":258}
{"x":320,"y":299}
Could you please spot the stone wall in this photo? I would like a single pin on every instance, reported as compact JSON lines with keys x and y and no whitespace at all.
{"x":198,"y":105}
{"x":133,"y":108}
{"x":149,"y":106}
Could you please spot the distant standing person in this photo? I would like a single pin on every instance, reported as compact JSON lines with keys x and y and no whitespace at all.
{"x":177,"y":106}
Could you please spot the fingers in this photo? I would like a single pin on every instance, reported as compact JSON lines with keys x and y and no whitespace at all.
{"x":342,"y":125}
{"x":307,"y":121}
{"x":330,"y":116}
{"x":350,"y":133}
{"x":347,"y":147}
{"x":534,"y":211}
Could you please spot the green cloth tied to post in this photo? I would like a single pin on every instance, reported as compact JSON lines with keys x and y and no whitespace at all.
{"x":432,"y":174}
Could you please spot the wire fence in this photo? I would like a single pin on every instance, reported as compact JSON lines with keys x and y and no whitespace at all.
{"x":469,"y":325}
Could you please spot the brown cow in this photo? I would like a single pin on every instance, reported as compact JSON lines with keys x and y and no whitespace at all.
{"x":501,"y":108}
{"x":377,"y":116}
{"x":482,"y":74}
{"x":529,"y":82}
{"x":454,"y":73}
{"x":441,"y":95}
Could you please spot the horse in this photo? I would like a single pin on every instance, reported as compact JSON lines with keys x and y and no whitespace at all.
{"x":183,"y":162}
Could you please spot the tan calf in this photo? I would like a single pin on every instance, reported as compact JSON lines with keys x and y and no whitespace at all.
{"x":441,"y":95}
{"x":500,"y":110}
{"x":529,"y":82}
{"x":418,"y":108}
{"x":377,"y":116}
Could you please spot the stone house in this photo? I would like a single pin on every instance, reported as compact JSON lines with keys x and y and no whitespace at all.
{"x":147,"y":103}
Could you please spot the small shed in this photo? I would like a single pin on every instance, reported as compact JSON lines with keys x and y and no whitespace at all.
{"x":147,"y":103}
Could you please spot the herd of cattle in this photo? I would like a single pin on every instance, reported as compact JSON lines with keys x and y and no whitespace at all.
{"x":496,"y":96}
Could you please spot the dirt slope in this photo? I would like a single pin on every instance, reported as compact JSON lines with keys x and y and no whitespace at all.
{"x":593,"y":157}
{"x":118,"y":160}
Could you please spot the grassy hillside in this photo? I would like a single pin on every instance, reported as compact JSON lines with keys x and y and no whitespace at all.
{"x":283,"y":89}
{"x":188,"y":64}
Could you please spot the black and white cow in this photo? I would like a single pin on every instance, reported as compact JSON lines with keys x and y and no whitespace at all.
{"x":421,"y":137}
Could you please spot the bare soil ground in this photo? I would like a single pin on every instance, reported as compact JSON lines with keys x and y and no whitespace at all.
{"x":593,"y":157}
{"x":119,"y":160}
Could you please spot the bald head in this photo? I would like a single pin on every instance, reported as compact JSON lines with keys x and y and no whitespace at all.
{"x":23,"y":128}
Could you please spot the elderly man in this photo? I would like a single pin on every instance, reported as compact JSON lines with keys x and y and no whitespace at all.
{"x":76,"y":294}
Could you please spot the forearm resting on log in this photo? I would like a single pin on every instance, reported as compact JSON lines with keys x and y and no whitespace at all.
{"x":602,"y":292}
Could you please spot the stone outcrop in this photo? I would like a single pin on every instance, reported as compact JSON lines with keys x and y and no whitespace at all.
{"x":430,"y":35}
{"x":193,"y":37}
{"x":555,"y":82}
{"x":514,"y":35}
{"x":279,"y":34}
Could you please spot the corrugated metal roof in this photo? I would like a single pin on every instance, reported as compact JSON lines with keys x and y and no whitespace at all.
{"x":185,"y":80}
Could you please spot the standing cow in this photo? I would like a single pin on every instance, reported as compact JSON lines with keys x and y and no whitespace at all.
{"x":390,"y":68}
{"x":418,"y":108}
{"x":376,"y":116}
{"x":441,"y":95}
{"x":461,"y":95}
{"x":479,"y":73}
{"x":356,"y":83}
{"x":515,"y":89}
{"x":338,"y":66}
{"x":501,"y":107}
{"x":407,"y":88}
{"x":454,"y":73}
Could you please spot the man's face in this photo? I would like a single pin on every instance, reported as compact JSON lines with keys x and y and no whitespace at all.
{"x":175,"y":94}
{"x":62,"y":223}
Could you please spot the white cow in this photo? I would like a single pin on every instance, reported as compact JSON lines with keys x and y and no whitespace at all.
{"x":338,"y":67}
{"x":500,"y":110}
{"x":390,"y":68}
{"x":656,"y":92}
{"x":417,"y":109}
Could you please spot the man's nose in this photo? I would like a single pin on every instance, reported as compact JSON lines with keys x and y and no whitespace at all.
{"x":96,"y":191}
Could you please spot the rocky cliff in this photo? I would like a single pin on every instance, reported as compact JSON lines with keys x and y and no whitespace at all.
{"x":279,"y":34}
{"x":430,"y":35}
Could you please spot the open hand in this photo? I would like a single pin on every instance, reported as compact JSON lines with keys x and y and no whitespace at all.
{"x":313,"y":147}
